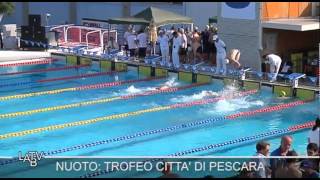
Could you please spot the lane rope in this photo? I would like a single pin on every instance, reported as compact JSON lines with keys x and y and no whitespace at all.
{"x":159,"y":131}
{"x":102,"y":100}
{"x":240,"y":141}
{"x":45,"y":70}
{"x":122,"y":115}
{"x":34,"y":62}
{"x":79,"y":88}
{"x":59,"y":79}
{"x":163,"y":130}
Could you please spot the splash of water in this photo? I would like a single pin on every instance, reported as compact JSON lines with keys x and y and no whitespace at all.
{"x":171,"y":82}
{"x":233,"y":105}
{"x":196,"y":96}
{"x":133,"y":90}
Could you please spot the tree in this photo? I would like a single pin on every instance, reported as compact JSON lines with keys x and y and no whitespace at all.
{"x":6,"y":8}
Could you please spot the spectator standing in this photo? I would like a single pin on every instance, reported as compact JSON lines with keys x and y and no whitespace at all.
{"x":163,"y":40}
{"x":286,"y":142}
{"x":142,"y":43}
{"x":132,"y":45}
{"x":314,"y":134}
{"x":196,"y":43}
{"x":263,"y":149}
{"x":177,"y":43}
{"x":290,"y":169}
{"x":125,"y":37}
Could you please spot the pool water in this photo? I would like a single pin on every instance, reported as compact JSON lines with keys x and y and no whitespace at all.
{"x":153,"y":145}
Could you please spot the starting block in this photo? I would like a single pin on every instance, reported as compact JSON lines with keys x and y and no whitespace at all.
{"x":294,"y":77}
{"x":242,"y":73}
{"x":151,"y":59}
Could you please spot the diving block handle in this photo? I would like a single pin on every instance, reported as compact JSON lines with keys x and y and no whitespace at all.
{"x":243,"y":73}
{"x":295,"y":78}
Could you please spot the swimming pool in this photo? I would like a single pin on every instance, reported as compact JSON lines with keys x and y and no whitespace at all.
{"x":156,"y":144}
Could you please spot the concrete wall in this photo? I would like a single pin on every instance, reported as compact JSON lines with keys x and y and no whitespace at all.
{"x":59,"y":11}
{"x":200,"y":12}
{"x":244,"y":35}
{"x":101,"y":10}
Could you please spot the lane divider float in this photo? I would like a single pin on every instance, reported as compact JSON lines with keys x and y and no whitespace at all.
{"x":122,"y":115}
{"x":211,"y":147}
{"x":163,"y":130}
{"x":45,"y":70}
{"x":102,"y":100}
{"x":79,"y":88}
{"x":159,"y":131}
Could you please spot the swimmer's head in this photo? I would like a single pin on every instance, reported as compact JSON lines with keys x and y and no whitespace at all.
{"x":283,"y":94}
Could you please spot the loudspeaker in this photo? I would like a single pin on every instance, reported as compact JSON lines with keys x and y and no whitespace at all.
{"x":39,"y":33}
{"x":26,"y":33}
{"x":35,"y":20}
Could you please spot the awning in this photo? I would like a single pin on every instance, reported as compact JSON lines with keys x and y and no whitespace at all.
{"x":128,"y":20}
{"x":159,"y":16}
{"x":300,"y":24}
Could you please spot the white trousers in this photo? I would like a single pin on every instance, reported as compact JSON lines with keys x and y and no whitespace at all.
{"x":165,"y":54}
{"x":274,"y":70}
{"x":175,"y":57}
{"x":221,"y":63}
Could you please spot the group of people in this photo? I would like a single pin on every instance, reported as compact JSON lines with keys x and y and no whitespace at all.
{"x":180,"y":46}
{"x":183,"y":46}
{"x":289,"y":167}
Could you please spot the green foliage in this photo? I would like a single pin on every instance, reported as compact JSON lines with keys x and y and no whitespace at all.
{"x":6,"y":7}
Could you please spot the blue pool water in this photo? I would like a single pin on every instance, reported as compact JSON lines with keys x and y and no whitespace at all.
{"x":158,"y":144}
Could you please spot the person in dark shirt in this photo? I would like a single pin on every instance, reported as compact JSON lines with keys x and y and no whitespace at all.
{"x":283,"y":150}
{"x":167,"y":172}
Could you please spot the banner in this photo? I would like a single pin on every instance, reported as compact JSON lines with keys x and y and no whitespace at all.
{"x":239,"y":10}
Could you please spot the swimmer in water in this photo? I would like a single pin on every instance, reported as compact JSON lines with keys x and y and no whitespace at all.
{"x":283,"y":95}
{"x":163,"y":87}
{"x":208,"y":93}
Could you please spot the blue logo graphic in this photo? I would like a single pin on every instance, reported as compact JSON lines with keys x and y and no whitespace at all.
{"x":238,"y":5}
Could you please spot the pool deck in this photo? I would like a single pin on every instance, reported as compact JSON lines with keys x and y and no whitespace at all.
{"x":8,"y":56}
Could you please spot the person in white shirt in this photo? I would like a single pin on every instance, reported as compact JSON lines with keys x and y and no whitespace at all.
{"x":263,"y":149}
{"x":184,"y":46}
{"x":163,"y":40}
{"x":142,"y":43}
{"x":314,"y":134}
{"x":177,"y":44}
{"x":221,"y":55}
{"x":275,"y":63}
{"x":170,"y":35}
{"x":132,"y":44}
{"x":125,"y":37}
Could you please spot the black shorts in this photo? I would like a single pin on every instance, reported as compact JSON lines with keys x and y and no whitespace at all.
{"x":132,"y":52}
{"x":126,"y":47}
{"x":199,"y":50}
{"x":142,"y":52}
{"x":212,"y":48}
{"x":182,"y":51}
